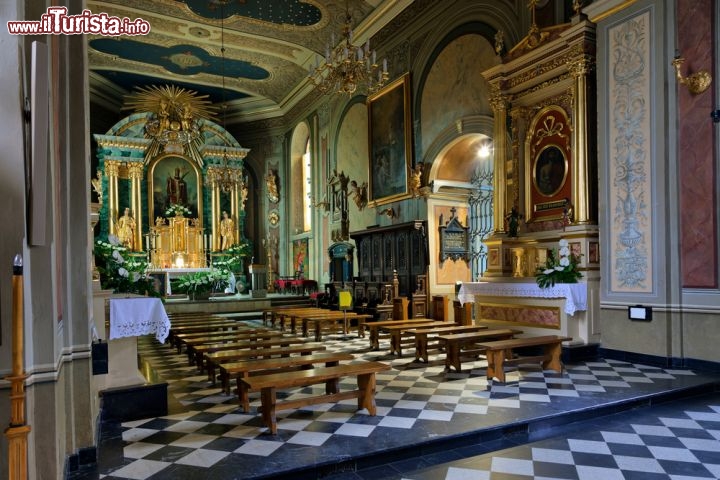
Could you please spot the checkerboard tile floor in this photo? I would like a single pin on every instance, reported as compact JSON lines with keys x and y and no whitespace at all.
{"x":659,"y":443}
{"x":207,"y":432}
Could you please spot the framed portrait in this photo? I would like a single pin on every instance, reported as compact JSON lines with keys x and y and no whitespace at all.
{"x":390,"y":130}
{"x":550,"y":170}
{"x":174,"y":179}
{"x":549,"y":165}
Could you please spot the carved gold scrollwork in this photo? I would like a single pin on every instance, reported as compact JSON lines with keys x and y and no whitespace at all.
{"x":697,"y":82}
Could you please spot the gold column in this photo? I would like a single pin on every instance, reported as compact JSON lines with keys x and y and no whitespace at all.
{"x":135,"y":171}
{"x":112,"y":170}
{"x":18,"y":432}
{"x":235,"y":210}
{"x":498,"y":102}
{"x":580,"y":173}
{"x":215,"y":212}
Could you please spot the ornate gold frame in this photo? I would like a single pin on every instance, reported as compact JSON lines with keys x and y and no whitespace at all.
{"x":383,"y":123}
{"x":151,"y":185}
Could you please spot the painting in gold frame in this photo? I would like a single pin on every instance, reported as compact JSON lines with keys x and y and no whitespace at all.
{"x":174,"y":179}
{"x":390,"y":131}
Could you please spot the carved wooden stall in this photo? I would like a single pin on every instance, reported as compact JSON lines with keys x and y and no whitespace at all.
{"x":392,"y":261}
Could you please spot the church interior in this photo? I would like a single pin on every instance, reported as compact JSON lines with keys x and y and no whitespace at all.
{"x":228,"y":228}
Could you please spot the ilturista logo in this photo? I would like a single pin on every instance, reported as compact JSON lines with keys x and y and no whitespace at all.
{"x":57,"y":22}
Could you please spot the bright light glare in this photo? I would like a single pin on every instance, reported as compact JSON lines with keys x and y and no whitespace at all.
{"x":484,"y":151}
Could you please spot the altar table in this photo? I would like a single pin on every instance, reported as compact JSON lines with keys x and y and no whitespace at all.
{"x":575,"y":294}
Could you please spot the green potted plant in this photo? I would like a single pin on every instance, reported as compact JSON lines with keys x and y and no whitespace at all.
{"x":121,"y":272}
{"x":560,"y":267}
{"x":201,"y":285}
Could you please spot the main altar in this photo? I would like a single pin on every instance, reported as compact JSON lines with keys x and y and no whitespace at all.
{"x":171,"y":181}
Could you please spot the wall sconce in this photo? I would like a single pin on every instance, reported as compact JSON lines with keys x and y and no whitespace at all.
{"x":388,"y":212}
{"x":697,"y":82}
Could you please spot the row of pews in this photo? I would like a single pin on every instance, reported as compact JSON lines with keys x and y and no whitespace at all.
{"x":279,"y":355}
{"x":266,"y":360}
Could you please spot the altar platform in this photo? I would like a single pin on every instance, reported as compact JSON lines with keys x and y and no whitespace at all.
{"x":425,"y":416}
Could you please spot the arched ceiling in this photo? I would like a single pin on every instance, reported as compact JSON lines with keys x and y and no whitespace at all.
{"x":459,"y":162}
{"x":269,"y":45}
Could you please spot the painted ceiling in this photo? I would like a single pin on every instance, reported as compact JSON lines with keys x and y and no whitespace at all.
{"x":268,"y":47}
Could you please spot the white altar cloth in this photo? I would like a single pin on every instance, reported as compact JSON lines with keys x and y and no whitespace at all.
{"x":575,"y":294}
{"x":132,"y":317}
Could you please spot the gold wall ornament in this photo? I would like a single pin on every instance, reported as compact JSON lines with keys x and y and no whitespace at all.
{"x":697,"y":82}
{"x":271,"y":181}
{"x":173,"y":123}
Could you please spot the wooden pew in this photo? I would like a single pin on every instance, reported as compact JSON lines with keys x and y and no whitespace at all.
{"x":467,"y":344}
{"x":215,"y":360}
{"x":320,"y":322}
{"x":269,"y":384}
{"x":501,"y":352}
{"x":247,"y":368}
{"x":422,"y":333}
{"x":199,"y":351}
{"x":181,"y":338}
{"x":225,"y":325}
{"x":374,"y":328}
{"x":396,"y":332}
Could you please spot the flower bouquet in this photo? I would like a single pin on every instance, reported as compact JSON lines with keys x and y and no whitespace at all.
{"x":201,"y":284}
{"x":562,"y":268}
{"x":120,"y":274}
{"x":176,"y":209}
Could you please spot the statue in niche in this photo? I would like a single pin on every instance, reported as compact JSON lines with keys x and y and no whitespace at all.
{"x":177,"y":188}
{"x":271,"y":181}
{"x":243,"y":195}
{"x":227,"y":231}
{"x":126,"y":230}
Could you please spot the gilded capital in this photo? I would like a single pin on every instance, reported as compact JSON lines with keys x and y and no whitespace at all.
{"x":498,"y":102}
{"x":579,"y":67}
{"x":112,"y":168}
{"x":135,"y":170}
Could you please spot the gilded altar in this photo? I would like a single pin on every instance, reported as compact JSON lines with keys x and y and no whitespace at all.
{"x":177,"y":242}
{"x":168,"y":194}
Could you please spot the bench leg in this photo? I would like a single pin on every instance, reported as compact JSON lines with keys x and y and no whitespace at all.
{"x":552,"y":358}
{"x":452,"y":356}
{"x":318,"y":331}
{"x":366,"y":394}
{"x":420,"y":347}
{"x":243,"y":394}
{"x":374,"y":338}
{"x":332,"y":386}
{"x":496,"y":361}
{"x":304,"y":328}
{"x":395,"y":343}
{"x":361,"y":327}
{"x":268,"y":400}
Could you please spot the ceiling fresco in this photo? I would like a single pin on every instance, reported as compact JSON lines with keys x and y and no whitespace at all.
{"x":268,"y":47}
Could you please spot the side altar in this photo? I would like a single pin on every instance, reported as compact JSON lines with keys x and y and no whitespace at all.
{"x":542,"y":94}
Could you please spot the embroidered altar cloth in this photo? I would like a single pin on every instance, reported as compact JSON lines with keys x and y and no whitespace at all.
{"x":132,"y":317}
{"x":575,"y":294}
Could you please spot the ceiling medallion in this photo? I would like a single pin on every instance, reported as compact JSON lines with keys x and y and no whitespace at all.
{"x":347,"y":67}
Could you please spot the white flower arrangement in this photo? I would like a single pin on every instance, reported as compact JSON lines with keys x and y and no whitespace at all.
{"x":177,"y":209}
{"x":120,"y":274}
{"x":562,"y":269}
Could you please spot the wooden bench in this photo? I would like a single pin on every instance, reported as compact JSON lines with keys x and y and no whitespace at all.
{"x":501,"y":352}
{"x":217,"y":359}
{"x":274,"y":365}
{"x":321,"y":322}
{"x":199,"y":351}
{"x":422,"y":334}
{"x":396,"y":332}
{"x":269,"y":384}
{"x":466,"y":344}
{"x":182,"y":338}
{"x":293,"y":313}
{"x":192,"y":344}
{"x":374,"y":328}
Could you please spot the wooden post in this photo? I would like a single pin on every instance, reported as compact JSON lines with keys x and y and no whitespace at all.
{"x":17,"y":432}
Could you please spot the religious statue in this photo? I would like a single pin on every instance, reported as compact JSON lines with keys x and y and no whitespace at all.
{"x":227,"y":231}
{"x":160,"y":222}
{"x":499,"y":42}
{"x":177,"y":188}
{"x":272,"y":186}
{"x":359,"y":194}
{"x":513,"y":219}
{"x":243,"y":195}
{"x":126,"y":230}
{"x":97,"y":186}
{"x":568,"y":213}
{"x":416,"y":180}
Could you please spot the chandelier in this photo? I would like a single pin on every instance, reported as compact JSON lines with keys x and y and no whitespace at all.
{"x":225,"y":176}
{"x":347,"y":67}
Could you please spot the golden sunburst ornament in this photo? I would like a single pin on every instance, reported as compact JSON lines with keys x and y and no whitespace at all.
{"x":173,"y":122}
